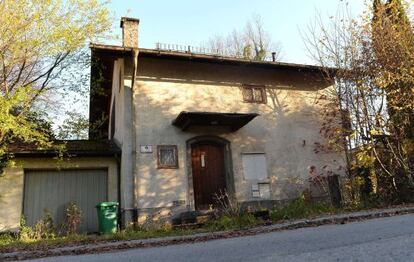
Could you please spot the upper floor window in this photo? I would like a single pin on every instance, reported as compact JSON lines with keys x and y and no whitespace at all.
{"x":254,"y":94}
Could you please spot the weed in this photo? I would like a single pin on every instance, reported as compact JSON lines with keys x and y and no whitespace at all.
{"x":25,"y":232}
{"x":44,"y":228}
{"x":73,"y":218}
{"x":227,"y":204}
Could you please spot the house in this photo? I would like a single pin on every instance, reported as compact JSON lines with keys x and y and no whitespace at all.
{"x":181,"y":128}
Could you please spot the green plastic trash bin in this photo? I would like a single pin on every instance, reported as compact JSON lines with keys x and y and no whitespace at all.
{"x":107,"y":217}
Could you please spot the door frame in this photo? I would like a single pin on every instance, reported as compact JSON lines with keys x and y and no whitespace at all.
{"x":228,"y":165}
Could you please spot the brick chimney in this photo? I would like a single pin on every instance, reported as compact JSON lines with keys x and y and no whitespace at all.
{"x":129,"y":32}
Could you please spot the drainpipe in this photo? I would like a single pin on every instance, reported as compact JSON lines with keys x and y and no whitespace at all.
{"x":120,"y":211}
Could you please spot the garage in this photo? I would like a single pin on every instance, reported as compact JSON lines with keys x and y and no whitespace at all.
{"x":54,"y":190}
{"x":86,"y":173}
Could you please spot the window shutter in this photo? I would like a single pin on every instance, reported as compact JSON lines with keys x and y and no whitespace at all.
{"x":254,"y":166}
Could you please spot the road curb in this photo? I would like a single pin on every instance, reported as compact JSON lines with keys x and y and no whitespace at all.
{"x":174,"y":240}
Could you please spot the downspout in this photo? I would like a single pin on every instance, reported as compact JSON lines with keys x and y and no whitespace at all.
{"x":120,"y":211}
{"x":135,"y":53}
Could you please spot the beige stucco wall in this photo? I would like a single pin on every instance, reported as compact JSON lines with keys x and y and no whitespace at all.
{"x":286,"y":130}
{"x":12,"y":183}
{"x":11,"y":198}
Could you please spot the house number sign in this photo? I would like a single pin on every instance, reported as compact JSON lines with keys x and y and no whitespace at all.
{"x":145,"y":149}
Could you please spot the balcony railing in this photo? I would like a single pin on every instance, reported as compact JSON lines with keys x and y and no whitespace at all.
{"x":203,"y":51}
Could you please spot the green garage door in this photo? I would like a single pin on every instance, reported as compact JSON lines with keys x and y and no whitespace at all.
{"x":53,"y":190}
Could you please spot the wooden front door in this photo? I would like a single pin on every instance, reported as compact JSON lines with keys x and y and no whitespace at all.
{"x":208,"y":173}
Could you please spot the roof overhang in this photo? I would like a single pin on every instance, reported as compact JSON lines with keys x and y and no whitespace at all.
{"x":216,"y":59}
{"x":67,"y":148}
{"x":234,"y":121}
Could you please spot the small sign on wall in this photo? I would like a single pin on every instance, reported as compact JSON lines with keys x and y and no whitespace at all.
{"x":145,"y":149}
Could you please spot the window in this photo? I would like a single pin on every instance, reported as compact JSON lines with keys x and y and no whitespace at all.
{"x":254,"y":166}
{"x":254,"y":94}
{"x":167,"y":156}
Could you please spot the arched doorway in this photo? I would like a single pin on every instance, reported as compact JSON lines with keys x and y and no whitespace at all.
{"x":210,"y":169}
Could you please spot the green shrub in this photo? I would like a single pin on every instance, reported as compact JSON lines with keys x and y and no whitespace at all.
{"x":247,"y":220}
{"x":300,"y":209}
{"x":44,"y":228}
{"x":7,"y":239}
{"x":26,"y":232}
{"x":223,"y":223}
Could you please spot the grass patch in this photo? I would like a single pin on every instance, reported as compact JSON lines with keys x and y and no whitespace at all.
{"x":232,"y":223}
{"x":153,"y":233}
{"x":300,"y":209}
{"x":9,"y":243}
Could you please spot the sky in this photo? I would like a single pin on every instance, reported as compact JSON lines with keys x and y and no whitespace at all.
{"x":187,"y":22}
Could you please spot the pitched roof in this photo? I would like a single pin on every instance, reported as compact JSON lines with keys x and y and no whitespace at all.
{"x":219,"y":59}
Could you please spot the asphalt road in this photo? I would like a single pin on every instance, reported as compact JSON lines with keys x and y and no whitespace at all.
{"x":384,"y":239}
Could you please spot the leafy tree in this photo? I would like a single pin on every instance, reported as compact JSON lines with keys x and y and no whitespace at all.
{"x":39,"y":40}
{"x":393,"y":42}
{"x":40,"y":126}
{"x":76,"y":126}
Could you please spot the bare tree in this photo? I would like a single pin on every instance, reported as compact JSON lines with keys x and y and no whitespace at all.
{"x":363,"y":80}
{"x":252,"y":42}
